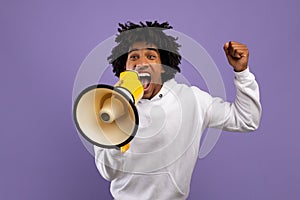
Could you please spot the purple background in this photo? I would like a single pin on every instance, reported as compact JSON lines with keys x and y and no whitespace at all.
{"x":42,"y":44}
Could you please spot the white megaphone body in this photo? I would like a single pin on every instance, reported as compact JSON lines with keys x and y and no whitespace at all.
{"x":106,"y":115}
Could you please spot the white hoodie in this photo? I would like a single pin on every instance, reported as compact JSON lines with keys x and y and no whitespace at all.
{"x":162,"y":156}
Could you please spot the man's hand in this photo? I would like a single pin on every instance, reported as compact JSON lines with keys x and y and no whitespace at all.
{"x":237,"y":55}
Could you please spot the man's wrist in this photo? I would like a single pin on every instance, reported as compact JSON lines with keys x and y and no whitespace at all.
{"x":240,"y":69}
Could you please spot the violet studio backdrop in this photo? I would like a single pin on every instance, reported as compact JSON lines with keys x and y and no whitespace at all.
{"x":43,"y":43}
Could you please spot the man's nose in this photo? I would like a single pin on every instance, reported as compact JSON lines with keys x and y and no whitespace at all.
{"x":141,"y":67}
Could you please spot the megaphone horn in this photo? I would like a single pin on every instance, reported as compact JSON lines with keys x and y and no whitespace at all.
{"x":106,"y":115}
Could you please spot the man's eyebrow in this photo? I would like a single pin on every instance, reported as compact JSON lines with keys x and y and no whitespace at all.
{"x":148,"y":48}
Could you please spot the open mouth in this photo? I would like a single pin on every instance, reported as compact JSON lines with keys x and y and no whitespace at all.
{"x":145,"y":79}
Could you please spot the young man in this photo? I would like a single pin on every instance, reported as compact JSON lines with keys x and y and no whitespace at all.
{"x":162,"y":156}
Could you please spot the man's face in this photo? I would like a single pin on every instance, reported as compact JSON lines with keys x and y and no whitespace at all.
{"x":145,"y":59}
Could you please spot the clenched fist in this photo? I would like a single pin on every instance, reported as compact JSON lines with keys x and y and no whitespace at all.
{"x":237,"y":55}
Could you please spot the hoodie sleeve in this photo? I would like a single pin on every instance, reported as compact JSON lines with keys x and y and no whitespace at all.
{"x":244,"y":113}
{"x":108,"y":162}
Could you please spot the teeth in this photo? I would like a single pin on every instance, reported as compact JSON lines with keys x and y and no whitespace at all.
{"x":144,"y":75}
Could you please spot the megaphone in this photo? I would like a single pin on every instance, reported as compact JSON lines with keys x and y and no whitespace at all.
{"x":106,"y":115}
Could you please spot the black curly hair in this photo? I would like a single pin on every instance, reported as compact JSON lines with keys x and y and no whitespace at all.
{"x":151,"y":33}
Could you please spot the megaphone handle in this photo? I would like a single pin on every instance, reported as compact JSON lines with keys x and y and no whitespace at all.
{"x":125,"y":147}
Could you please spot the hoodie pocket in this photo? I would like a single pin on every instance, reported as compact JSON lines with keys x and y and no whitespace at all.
{"x":149,"y":186}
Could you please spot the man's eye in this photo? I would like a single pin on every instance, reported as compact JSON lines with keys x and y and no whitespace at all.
{"x":133,"y":57}
{"x":151,"y":57}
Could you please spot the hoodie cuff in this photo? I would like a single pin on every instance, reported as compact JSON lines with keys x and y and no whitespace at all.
{"x":244,"y":75}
